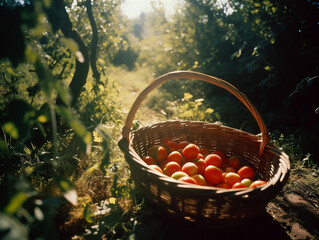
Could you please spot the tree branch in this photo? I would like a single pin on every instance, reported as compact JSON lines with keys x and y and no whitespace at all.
{"x":94,"y":41}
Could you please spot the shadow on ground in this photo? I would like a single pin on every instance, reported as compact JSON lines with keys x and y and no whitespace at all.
{"x":159,"y":225}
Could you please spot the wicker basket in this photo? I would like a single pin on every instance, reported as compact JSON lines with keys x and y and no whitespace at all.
{"x":203,"y":203}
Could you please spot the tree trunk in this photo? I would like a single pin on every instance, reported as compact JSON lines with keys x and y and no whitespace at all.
{"x":60,"y":20}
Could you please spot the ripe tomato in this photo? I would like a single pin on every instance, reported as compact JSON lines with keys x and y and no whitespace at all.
{"x":224,"y":175}
{"x":158,"y":152}
{"x":161,"y":154}
{"x":201,"y":165}
{"x":187,"y":180}
{"x":171,"y":145}
{"x":247,"y":182}
{"x":246,"y":172}
{"x":149,"y":160}
{"x":239,"y":185}
{"x":182,"y":144}
{"x":213,"y":159}
{"x":232,"y":178}
{"x":190,"y":168}
{"x":157,"y":168}
{"x":175,"y":156}
{"x":213,"y":174}
{"x":177,"y":175}
{"x":171,"y":167}
{"x":200,"y":180}
{"x":221,"y":154}
{"x":234,"y":161}
{"x":191,"y":152}
{"x":230,"y":169}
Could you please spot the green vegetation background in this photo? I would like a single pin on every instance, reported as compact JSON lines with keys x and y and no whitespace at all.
{"x":70,"y":71}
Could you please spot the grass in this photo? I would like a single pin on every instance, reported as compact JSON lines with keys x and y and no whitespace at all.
{"x":130,"y":85}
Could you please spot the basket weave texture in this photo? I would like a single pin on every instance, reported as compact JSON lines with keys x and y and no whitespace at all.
{"x":203,"y":203}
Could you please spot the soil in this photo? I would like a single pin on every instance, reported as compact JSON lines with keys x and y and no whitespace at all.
{"x":296,"y":208}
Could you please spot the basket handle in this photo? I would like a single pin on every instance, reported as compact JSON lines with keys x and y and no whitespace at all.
{"x":202,"y":77}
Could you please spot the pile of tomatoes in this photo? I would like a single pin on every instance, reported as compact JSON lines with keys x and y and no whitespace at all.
{"x":186,"y":162}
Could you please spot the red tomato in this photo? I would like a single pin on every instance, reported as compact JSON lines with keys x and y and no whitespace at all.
{"x":158,"y":152}
{"x":149,"y":160}
{"x":171,"y":167}
{"x":221,"y":154}
{"x":190,"y":152}
{"x":187,"y":180}
{"x":182,"y":144}
{"x":175,"y":156}
{"x":200,"y":180}
{"x":232,"y":178}
{"x":214,"y":159}
{"x":213,"y":174}
{"x":239,"y":185}
{"x":171,"y":145}
{"x":246,"y":172}
{"x":234,"y":161}
{"x":157,"y":168}
{"x":201,"y":165}
{"x":190,"y":168}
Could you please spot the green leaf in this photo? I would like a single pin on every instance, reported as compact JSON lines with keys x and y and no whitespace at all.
{"x":71,"y":44}
{"x":238,"y":53}
{"x":27,"y":150}
{"x":69,"y":193}
{"x":273,"y":9}
{"x":16,"y":202}
{"x":104,"y":131}
{"x":267,"y":3}
{"x":80,"y":130}
{"x":74,"y":48}
{"x":257,"y":21}
{"x":267,"y":68}
{"x":11,"y":129}
{"x":42,"y":118}
{"x":187,"y":114}
{"x":187,"y":96}
{"x":64,"y":93}
{"x":209,"y":110}
{"x":88,"y":214}
{"x":105,"y":161}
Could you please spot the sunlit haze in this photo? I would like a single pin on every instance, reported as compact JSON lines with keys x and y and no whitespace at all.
{"x":133,"y":8}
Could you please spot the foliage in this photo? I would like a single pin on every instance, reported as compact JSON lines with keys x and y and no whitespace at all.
{"x":263,"y":48}
{"x":43,"y":140}
{"x":59,"y":161}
